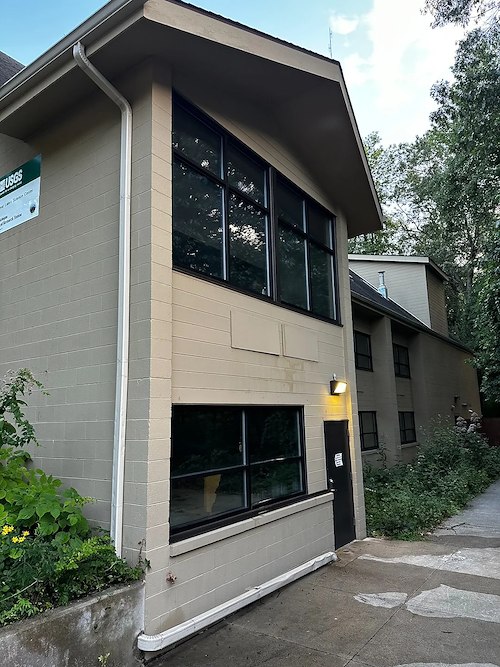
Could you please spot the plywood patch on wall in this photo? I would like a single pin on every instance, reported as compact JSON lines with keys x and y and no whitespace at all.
{"x":258,"y":334}
{"x":300,"y":343}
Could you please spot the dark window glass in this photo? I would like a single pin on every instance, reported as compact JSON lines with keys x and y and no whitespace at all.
{"x":196,"y":141}
{"x":368,"y":430}
{"x":247,"y":246}
{"x":271,"y":481}
{"x":407,"y":427}
{"x":195,"y":499}
{"x":227,"y":460}
{"x":246,"y":175}
{"x":292,"y":268}
{"x":224,"y":225}
{"x":363,"y":351}
{"x":319,"y":225}
{"x":305,"y":268}
{"x":273,"y":433}
{"x":401,"y":361}
{"x":290,"y":206}
{"x":197,"y":222}
{"x":211,"y":436}
{"x":321,"y":282}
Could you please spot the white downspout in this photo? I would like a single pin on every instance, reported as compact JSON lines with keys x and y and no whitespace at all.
{"x":122,"y":343}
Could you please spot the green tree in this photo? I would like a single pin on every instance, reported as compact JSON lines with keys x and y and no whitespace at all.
{"x":393,"y":238}
{"x":461,"y":12}
{"x":453,"y":172}
{"x":487,"y":321}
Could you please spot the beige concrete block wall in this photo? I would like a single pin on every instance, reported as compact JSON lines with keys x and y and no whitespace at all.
{"x":406,"y":284}
{"x":377,"y":390}
{"x":212,"y":574}
{"x":209,"y":366}
{"x":437,"y":303}
{"x":58,"y":306}
{"x":444,"y":373}
{"x":58,"y":296}
{"x":58,"y":317}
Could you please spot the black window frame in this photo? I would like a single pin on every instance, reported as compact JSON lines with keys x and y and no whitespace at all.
{"x":184,"y":531}
{"x":363,"y":433}
{"x":361,"y":355}
{"x":272,"y":178}
{"x":401,"y":360}
{"x":408,"y":434}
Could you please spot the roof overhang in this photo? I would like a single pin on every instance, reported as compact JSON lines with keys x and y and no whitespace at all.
{"x":304,"y":94}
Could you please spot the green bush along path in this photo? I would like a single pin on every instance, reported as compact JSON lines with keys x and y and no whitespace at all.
{"x":454,"y":464}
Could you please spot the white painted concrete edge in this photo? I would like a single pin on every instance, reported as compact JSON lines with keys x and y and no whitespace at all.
{"x":151,"y":643}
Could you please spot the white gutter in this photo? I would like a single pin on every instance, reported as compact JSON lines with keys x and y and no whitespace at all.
{"x":151,"y":643}
{"x":122,"y":343}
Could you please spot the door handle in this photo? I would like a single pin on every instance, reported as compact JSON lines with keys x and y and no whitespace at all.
{"x":330,"y":484}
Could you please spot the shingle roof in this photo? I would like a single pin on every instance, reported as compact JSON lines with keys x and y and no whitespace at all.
{"x":8,"y":67}
{"x":362,"y":289}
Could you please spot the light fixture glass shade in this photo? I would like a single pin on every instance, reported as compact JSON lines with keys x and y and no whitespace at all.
{"x":337,"y":387}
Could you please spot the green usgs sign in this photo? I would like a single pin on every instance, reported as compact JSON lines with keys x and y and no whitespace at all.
{"x":20,"y":194}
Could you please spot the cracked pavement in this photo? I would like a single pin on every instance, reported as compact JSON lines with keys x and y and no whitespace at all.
{"x":382,"y":604}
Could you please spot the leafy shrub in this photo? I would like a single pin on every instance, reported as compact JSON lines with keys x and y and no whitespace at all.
{"x":453,"y":466}
{"x":36,"y":574}
{"x":48,"y":555}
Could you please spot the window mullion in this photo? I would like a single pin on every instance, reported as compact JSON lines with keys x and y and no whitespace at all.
{"x":308,"y":257}
{"x":272,"y":232}
{"x":225,"y":211}
{"x":246,"y":459}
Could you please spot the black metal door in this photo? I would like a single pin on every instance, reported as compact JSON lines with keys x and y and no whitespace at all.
{"x":338,"y":471}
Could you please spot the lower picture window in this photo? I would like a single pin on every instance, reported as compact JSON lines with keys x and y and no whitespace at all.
{"x":368,"y":430}
{"x":229,"y":460}
{"x":407,"y":427}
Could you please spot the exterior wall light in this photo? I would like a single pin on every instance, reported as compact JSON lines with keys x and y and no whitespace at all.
{"x":337,"y":387}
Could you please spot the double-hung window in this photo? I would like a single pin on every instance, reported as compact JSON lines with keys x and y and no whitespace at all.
{"x":368,"y":430}
{"x":237,"y":220}
{"x":230,"y":460}
{"x":363,"y":351}
{"x":407,"y":427}
{"x":401,"y":361}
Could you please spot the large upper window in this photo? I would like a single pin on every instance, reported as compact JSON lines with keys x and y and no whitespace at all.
{"x":229,"y":460}
{"x":237,"y":220}
{"x":363,"y":351}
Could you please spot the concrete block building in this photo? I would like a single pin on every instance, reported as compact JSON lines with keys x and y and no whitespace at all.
{"x":178,"y":194}
{"x":409,"y":371}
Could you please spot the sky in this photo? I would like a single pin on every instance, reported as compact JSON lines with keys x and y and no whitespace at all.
{"x":389,"y":54}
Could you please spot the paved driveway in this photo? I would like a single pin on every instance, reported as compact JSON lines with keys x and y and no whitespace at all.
{"x":383,"y":604}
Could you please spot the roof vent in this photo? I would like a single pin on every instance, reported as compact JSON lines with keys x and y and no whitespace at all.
{"x":382,"y":289}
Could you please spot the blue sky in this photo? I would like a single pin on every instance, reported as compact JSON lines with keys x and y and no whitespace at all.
{"x":389,"y":54}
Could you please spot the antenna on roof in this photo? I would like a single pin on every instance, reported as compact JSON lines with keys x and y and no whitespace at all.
{"x":330,"y":39}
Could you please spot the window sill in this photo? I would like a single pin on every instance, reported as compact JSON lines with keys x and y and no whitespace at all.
{"x":370,"y":451}
{"x":409,"y":445}
{"x":192,"y":543}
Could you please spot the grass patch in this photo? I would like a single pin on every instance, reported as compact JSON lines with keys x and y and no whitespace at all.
{"x":453,"y":466}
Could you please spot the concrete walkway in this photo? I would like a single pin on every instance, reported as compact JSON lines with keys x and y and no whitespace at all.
{"x":383,"y":604}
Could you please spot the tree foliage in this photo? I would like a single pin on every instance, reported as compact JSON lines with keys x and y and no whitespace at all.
{"x":487,"y":319}
{"x":392,"y":239}
{"x":461,"y":12}
{"x":441,"y":194}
